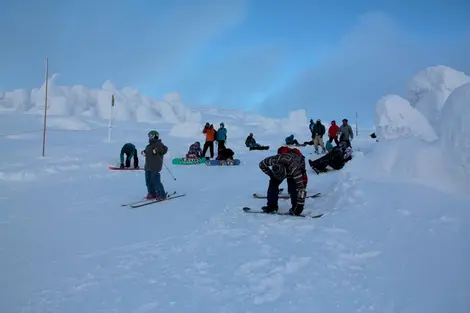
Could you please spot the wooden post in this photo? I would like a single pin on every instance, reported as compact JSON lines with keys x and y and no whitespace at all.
{"x":45,"y":109}
{"x":110,"y":117}
{"x":357,"y":128}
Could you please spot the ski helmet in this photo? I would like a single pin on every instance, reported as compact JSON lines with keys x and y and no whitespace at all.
{"x":153,"y":134}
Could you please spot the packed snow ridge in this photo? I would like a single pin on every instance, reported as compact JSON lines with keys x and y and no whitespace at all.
{"x":432,"y":125}
{"x":80,"y":103}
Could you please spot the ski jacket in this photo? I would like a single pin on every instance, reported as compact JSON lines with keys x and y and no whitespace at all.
{"x":195,"y":149}
{"x":128,"y":149}
{"x":225,"y":154}
{"x":333,"y":130}
{"x":154,"y":153}
{"x":210,"y":133}
{"x":295,"y":168}
{"x":318,"y":129}
{"x":290,"y":140}
{"x":346,"y":132}
{"x":250,"y":141}
{"x":311,"y":126}
{"x":222,"y":134}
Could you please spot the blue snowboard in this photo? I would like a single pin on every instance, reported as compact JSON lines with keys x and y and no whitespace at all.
{"x":222,"y":163}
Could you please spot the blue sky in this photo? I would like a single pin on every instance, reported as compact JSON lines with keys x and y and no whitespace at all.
{"x":331,"y":58}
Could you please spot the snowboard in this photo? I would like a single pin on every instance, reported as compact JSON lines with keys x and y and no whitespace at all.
{"x":188,"y":161}
{"x":284,"y":196}
{"x":223,"y":162}
{"x":259,"y":148}
{"x":250,"y":210}
{"x":117,"y":168}
{"x":143,"y":202}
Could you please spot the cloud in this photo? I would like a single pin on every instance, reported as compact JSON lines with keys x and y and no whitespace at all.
{"x":236,"y":76}
{"x":373,"y":59}
{"x":95,"y":40}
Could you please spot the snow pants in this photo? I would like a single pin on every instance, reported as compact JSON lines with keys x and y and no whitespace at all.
{"x":318,"y":141}
{"x":273,"y":192}
{"x":208,"y":145}
{"x":154,"y":184}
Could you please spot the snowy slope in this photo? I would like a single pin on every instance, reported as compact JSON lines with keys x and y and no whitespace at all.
{"x":383,"y":245}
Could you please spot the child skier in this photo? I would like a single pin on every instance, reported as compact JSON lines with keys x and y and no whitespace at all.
{"x":154,"y":153}
{"x":131,"y":152}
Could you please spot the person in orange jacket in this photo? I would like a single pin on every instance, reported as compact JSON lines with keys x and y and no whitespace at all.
{"x":210,"y":132}
{"x":333,"y":132}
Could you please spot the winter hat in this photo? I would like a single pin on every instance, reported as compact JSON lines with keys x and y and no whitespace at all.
{"x":329,"y":146}
{"x":153,"y":134}
{"x":279,"y":171}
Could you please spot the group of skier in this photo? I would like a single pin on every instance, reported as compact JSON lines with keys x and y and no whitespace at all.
{"x":288,"y":164}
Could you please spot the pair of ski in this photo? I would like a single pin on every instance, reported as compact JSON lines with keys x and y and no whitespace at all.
{"x":259,"y":196}
{"x":145,"y":202}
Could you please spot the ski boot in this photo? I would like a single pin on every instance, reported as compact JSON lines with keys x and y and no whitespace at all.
{"x":297,"y":210}
{"x":270,"y":208}
{"x":151,"y":197}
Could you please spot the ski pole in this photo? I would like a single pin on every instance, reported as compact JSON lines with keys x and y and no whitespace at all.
{"x":169,"y":170}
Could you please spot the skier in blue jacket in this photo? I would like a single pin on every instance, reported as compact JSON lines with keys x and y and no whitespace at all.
{"x":221,"y":136}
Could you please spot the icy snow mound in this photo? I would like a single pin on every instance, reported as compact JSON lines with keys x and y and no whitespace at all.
{"x":430,"y":88}
{"x":454,"y":127}
{"x":395,"y":118}
{"x":79,"y":101}
{"x":296,"y":123}
{"x":410,"y":160}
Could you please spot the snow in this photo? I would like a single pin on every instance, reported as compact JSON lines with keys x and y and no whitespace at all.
{"x":395,"y":118}
{"x":455,"y":131}
{"x":393,"y":238}
{"x":429,"y":89}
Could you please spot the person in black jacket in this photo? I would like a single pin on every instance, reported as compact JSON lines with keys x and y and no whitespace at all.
{"x":289,"y":164}
{"x":318,"y":132}
{"x":336,"y":158}
{"x":131,"y":152}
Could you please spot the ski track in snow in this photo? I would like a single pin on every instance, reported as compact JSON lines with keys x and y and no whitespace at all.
{"x":67,"y":246}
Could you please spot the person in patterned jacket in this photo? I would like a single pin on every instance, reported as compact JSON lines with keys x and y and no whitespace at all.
{"x":290,"y":164}
{"x":194,"y":151}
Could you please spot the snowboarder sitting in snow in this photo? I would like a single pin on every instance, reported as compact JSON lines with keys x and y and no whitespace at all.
{"x":336,"y":158}
{"x":291,"y":141}
{"x":131,"y":152}
{"x":225,"y":155}
{"x":194,"y":151}
{"x":154,"y":153}
{"x":251,"y":143}
{"x":290,"y":164}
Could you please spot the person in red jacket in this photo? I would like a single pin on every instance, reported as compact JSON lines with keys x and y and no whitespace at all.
{"x":333,"y":132}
